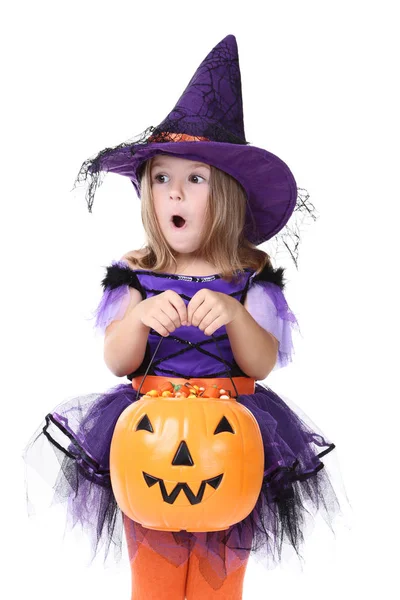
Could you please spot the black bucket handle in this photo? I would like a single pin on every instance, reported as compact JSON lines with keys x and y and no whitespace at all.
{"x":155,"y":352}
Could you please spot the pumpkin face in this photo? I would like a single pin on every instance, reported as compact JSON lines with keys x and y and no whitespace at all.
{"x":186,"y":463}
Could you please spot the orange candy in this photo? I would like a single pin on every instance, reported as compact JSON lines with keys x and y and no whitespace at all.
{"x":182,"y":392}
{"x":211,"y":392}
{"x":167,"y":386}
{"x":187,"y":390}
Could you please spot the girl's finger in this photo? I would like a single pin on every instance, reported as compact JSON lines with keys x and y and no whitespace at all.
{"x":207,"y":319}
{"x":180,"y":308}
{"x":157,"y":326}
{"x":213,"y":326}
{"x":199,"y":316}
{"x":174,"y":316}
{"x":193,"y":306}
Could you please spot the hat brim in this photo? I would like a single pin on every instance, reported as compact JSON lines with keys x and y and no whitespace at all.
{"x":269,"y":184}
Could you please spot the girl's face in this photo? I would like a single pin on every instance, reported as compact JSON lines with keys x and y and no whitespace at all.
{"x":180,"y":188}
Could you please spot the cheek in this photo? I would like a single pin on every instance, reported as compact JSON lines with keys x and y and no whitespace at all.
{"x":157,"y":202}
{"x":201,"y":202}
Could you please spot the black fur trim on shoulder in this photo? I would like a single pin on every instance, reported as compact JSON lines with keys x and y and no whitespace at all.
{"x":268,"y":273}
{"x":120,"y":274}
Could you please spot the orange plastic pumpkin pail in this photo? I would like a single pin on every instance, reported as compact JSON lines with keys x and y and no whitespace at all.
{"x":193,"y":464}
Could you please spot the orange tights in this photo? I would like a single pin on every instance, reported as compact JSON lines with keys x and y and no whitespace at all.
{"x":154,"y":578}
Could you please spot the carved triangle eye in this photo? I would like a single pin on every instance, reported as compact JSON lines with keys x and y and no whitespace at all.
{"x":145,"y":424}
{"x":224,"y":425}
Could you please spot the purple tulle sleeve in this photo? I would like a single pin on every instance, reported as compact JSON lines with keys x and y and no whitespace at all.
{"x":267,"y":305}
{"x":112,"y":306}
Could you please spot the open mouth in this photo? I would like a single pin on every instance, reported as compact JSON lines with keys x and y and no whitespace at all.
{"x":193,"y":498}
{"x":178,"y":221}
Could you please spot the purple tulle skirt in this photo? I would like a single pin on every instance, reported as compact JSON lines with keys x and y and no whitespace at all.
{"x":295,"y":487}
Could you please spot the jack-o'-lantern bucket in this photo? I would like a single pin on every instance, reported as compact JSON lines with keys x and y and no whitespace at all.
{"x":187,"y":457}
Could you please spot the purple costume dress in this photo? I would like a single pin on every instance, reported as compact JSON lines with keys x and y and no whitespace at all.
{"x":79,"y":431}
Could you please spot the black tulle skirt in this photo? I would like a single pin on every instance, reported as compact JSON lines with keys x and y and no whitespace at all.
{"x":296,"y":485}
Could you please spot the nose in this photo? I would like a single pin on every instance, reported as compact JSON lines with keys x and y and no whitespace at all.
{"x":183,"y":456}
{"x":175,"y":189}
{"x":175,"y":195}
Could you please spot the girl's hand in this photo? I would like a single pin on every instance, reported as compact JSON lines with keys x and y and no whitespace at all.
{"x":209,"y":310}
{"x":163,"y":313}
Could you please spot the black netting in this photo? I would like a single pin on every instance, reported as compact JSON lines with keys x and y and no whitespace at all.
{"x":209,"y":110}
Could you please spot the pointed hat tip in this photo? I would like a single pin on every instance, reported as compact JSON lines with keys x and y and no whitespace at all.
{"x":230,"y":42}
{"x":230,"y":38}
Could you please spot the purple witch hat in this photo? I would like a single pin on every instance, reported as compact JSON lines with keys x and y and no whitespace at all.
{"x":206,"y":124}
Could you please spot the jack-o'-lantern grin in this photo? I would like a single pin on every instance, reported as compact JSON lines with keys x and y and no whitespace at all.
{"x":186,"y":464}
{"x":193,"y":498}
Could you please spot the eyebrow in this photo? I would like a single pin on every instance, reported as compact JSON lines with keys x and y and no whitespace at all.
{"x":197,"y":164}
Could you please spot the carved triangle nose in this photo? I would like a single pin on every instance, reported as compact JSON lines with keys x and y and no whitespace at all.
{"x":183,"y":456}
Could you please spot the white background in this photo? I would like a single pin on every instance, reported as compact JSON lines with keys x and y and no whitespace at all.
{"x":319,"y":90}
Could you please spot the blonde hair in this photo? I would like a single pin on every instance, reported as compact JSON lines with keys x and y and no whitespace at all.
{"x":223,"y":245}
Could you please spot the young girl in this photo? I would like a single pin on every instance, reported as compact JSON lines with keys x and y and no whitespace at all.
{"x":198,"y":301}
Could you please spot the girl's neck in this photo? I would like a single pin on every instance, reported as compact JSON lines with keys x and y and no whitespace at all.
{"x":196,"y":266}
